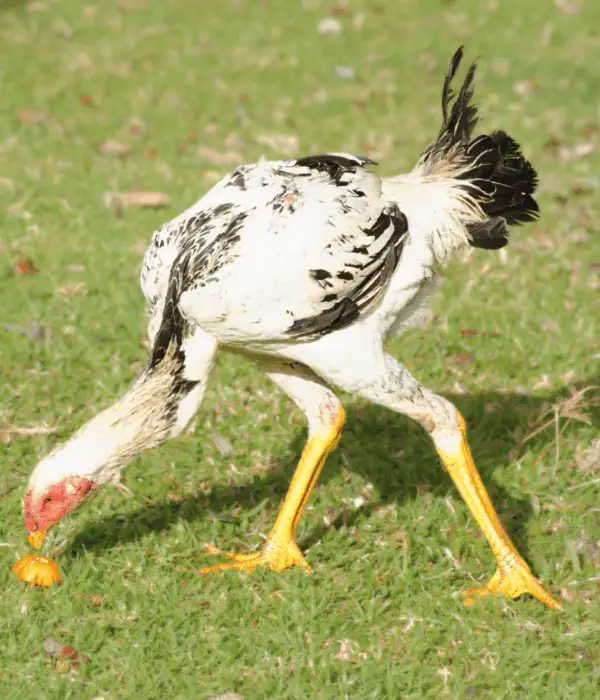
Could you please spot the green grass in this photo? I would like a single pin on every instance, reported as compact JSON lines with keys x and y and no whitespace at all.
{"x":377,"y":618}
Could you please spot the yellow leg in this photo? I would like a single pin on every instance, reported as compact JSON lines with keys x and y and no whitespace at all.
{"x":281,"y":551}
{"x":513,"y":577}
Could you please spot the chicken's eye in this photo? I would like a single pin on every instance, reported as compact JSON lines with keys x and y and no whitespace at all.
{"x":47,"y":500}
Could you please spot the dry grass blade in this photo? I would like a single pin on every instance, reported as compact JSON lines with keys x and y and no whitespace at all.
{"x":145,"y":199}
{"x":220,"y":157}
{"x":588,"y":461}
{"x":582,"y":486}
{"x":136,"y":198}
{"x":9,"y":431}
{"x":571,"y":408}
{"x":113,"y":148}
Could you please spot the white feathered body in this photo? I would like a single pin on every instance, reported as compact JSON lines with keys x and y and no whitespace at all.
{"x":255,"y":259}
{"x":306,"y":265}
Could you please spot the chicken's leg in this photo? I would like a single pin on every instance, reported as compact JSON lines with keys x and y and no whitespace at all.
{"x":383,"y":380}
{"x":326,"y":419}
{"x":513,"y":577}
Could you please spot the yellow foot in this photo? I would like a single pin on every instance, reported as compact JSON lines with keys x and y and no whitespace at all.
{"x":276,"y":555}
{"x":517,"y":581}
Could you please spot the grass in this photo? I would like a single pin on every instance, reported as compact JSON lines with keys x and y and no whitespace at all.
{"x":388,"y":537}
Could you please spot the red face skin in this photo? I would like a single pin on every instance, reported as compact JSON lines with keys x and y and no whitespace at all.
{"x":47,"y":509}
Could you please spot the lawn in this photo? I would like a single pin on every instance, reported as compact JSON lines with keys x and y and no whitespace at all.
{"x":165,"y":96}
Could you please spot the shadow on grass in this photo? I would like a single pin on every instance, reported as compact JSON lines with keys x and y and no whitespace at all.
{"x":12,"y":4}
{"x":371,"y":438}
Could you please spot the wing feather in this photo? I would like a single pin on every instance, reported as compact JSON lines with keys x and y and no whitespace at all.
{"x":285,"y":250}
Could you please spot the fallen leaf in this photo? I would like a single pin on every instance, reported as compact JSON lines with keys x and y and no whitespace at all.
{"x":462,"y":359}
{"x":568,"y":8}
{"x":68,"y":652}
{"x":51,"y":646}
{"x":260,"y":468}
{"x":71,"y":268}
{"x":588,"y":460}
{"x":288,"y":144}
{"x":359,"y":20}
{"x":568,"y":596}
{"x":580,"y":150}
{"x":62,"y":667}
{"x":87,"y":100}
{"x":145,"y":199}
{"x":25,"y":267}
{"x":579,"y":191}
{"x":212,"y":175}
{"x":97,"y":601}
{"x":345,"y":650}
{"x":35,"y":7}
{"x":523,"y":87}
{"x":234,"y":140}
{"x":212,"y":155}
{"x":137,"y":199}
{"x":64,"y":654}
{"x":549,"y":326}
{"x":32,"y":116}
{"x":345,"y":72}
{"x":340,"y":10}
{"x":70,"y":290}
{"x":468,"y":332}
{"x":136,"y":127}
{"x":34,"y":331}
{"x":329,"y":25}
{"x":113,"y":148}
{"x":222,"y":445}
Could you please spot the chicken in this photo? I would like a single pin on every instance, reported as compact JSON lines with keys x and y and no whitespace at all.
{"x":307,"y":267}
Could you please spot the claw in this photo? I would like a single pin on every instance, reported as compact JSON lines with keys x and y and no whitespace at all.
{"x":516,"y":582}
{"x":277,"y":556}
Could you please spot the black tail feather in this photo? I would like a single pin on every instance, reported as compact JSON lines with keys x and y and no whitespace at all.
{"x":491,"y":234}
{"x":503,"y":182}
{"x":458,"y":127}
{"x":459,"y":117}
{"x":496,"y":173}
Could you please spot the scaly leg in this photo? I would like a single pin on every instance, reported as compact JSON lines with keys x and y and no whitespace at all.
{"x":513,"y":577}
{"x":384,"y":381}
{"x":326,"y":419}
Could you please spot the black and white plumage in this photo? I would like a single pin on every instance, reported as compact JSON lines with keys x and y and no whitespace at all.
{"x":279,"y":250}
{"x":307,"y":266}
{"x":298,"y":263}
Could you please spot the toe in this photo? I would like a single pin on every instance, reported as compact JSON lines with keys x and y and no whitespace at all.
{"x":240,"y":565}
{"x":535,"y":588}
{"x":518,"y":581}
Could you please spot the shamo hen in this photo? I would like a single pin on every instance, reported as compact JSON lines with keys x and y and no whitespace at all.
{"x":306,"y":267}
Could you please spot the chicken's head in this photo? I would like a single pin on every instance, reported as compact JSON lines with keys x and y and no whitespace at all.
{"x":44,"y":508}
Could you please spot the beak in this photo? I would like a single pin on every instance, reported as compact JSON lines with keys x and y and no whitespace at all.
{"x":36,"y":539}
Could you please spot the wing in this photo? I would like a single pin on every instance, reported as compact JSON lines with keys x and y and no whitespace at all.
{"x":200,"y":237}
{"x":281,"y":250}
{"x":357,"y":276}
{"x":314,"y":253}
{"x":351,"y":269}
